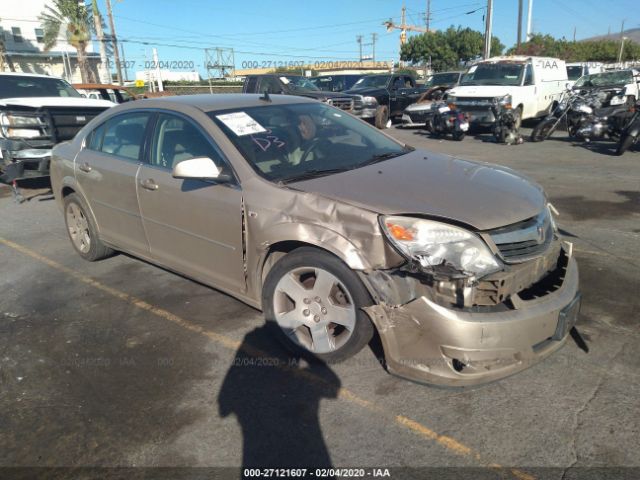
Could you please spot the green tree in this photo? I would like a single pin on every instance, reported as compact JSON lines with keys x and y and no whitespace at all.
{"x":448,"y":49}
{"x":77,"y":21}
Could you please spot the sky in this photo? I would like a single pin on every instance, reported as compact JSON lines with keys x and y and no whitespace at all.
{"x":292,"y":31}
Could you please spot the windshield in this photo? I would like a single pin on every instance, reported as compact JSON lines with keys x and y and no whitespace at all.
{"x":292,"y":142}
{"x":618,"y":78}
{"x":574,"y":72}
{"x":18,"y":86}
{"x":443,"y":79}
{"x":337,"y":83}
{"x":299,"y":83}
{"x":494,"y":74}
{"x":377,"y":81}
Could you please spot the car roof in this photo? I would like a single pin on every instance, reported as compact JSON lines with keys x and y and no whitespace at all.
{"x":222,"y":101}
{"x":23,"y":74}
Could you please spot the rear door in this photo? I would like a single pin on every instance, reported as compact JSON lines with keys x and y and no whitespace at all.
{"x":193,"y":226}
{"x":106,"y":171}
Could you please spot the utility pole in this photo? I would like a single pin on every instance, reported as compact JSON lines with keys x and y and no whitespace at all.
{"x":359,"y":40}
{"x":622,"y":29}
{"x":487,"y":32}
{"x":519,"y":40}
{"x":529,"y":20}
{"x":621,"y":49}
{"x":374,"y":37}
{"x":574,"y":34}
{"x":116,"y":55}
{"x":158,"y":73}
{"x":403,"y":27}
{"x":124,"y":62}
{"x":428,"y":14}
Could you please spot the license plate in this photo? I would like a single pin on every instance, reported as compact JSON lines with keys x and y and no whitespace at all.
{"x":567,"y":318}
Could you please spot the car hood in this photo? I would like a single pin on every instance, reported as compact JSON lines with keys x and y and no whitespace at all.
{"x":482,"y":90}
{"x":367,"y":91}
{"x":37,"y":102}
{"x":322,"y":94}
{"x":480,"y":195}
{"x":419,"y":107}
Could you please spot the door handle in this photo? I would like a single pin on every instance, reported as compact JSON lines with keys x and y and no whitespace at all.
{"x":149,"y":184}
{"x":85,"y":167}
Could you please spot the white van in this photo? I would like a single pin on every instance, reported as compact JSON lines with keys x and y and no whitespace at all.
{"x":530,"y":85}
{"x":578,"y":69}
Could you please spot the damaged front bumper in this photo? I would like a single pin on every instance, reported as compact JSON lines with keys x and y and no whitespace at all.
{"x":19,"y":160}
{"x":427,"y":342}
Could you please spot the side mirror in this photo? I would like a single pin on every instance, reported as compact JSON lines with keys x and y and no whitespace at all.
{"x":200,"y":168}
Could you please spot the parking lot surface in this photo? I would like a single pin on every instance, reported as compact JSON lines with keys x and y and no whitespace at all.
{"x":120,"y":363}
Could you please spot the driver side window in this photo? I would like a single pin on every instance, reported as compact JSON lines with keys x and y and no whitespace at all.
{"x":176,"y":139}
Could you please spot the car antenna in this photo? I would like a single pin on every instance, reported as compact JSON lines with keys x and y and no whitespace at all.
{"x":265,"y":97}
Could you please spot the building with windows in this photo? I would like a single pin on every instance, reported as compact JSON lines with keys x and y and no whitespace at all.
{"x":22,"y":34}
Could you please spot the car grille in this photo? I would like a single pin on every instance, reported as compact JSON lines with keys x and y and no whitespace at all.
{"x":342,"y":103}
{"x":524,"y":240}
{"x":475,"y":101}
{"x":66,"y":122}
{"x":418,"y":117}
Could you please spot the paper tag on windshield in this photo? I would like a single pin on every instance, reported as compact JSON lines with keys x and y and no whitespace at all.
{"x":241,"y":123}
{"x":284,"y":80}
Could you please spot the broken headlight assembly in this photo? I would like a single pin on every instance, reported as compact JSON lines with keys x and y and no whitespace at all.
{"x":440,"y":247}
{"x":20,"y":126}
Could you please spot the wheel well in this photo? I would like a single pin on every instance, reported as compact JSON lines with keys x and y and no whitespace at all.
{"x":280,"y":249}
{"x":67,"y":191}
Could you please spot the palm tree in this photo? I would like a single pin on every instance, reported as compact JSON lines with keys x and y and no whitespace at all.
{"x":77,"y":21}
{"x":98,"y":23}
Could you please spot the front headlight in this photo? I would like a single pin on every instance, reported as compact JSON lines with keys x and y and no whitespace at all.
{"x":505,"y":101}
{"x":23,"y":126}
{"x":434,"y":244}
{"x":369,"y":101}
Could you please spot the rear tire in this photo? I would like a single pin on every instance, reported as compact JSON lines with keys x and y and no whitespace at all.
{"x":82,"y":230}
{"x":313,"y":305}
{"x":624,"y":144}
{"x":382,"y":117}
{"x":458,"y":136}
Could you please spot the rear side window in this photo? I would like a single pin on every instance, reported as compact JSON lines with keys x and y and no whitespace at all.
{"x":252,"y":84}
{"x":124,"y":135}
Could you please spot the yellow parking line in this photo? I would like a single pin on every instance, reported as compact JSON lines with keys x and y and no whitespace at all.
{"x":446,"y":442}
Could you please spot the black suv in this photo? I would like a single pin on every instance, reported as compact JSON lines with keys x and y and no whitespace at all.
{"x":300,"y":86}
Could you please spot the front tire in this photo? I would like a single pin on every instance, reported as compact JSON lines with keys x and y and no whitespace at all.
{"x":313,"y":304}
{"x":543,"y":129}
{"x":82,"y":230}
{"x":458,"y":136}
{"x":382,"y":117}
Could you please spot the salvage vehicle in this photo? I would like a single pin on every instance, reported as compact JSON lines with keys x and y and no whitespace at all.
{"x":36,"y":112}
{"x":614,"y":82}
{"x":531,"y":84}
{"x":334,"y":229}
{"x":384,"y":97}
{"x":300,"y":86}
{"x":105,"y":91}
{"x":335,"y":83}
{"x":578,"y":69}
{"x":418,"y":114}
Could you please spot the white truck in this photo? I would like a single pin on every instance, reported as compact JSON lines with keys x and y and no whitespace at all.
{"x":529,"y":85}
{"x":37,"y":112}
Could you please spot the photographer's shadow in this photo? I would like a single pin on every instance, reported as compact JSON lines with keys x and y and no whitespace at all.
{"x":275,"y":398}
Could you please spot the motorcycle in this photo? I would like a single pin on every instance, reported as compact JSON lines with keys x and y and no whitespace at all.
{"x":447,"y":119}
{"x":505,"y":129}
{"x":631,"y":133}
{"x":585,"y":115}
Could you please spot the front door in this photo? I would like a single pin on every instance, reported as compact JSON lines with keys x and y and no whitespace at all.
{"x":193,"y":226}
{"x":106,"y":170}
